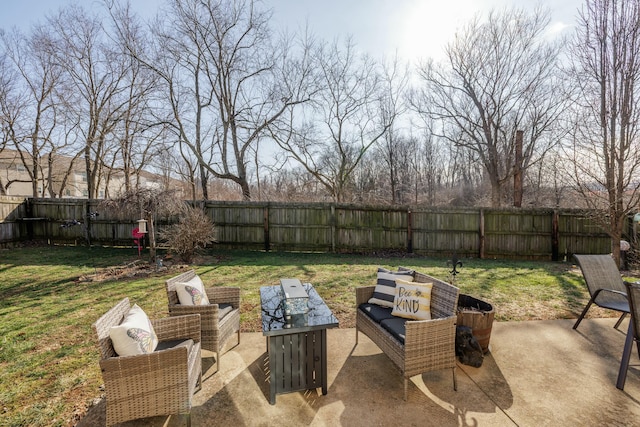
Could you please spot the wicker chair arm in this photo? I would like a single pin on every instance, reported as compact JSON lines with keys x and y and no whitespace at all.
{"x":224,"y":295}
{"x":363,"y":294}
{"x":227,"y":320}
{"x":169,"y":366}
{"x":210,"y":310}
{"x":430,"y":333}
{"x":178,"y":327}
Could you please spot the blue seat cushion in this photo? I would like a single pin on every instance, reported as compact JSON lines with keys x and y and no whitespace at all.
{"x":376,"y":312}
{"x":395,"y":326}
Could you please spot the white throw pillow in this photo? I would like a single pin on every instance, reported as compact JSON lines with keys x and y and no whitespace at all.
{"x":192,"y":292}
{"x":412,"y":300}
{"x":135,"y":335}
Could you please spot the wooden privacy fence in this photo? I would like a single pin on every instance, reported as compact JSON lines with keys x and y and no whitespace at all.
{"x":536,"y":234}
{"x":326,"y":227}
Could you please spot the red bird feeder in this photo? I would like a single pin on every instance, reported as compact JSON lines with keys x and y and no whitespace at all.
{"x":138,"y":234}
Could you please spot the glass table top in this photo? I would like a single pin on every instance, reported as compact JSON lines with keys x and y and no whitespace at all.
{"x":275,"y":322}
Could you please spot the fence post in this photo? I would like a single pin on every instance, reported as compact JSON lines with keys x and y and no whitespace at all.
{"x":481,"y":235}
{"x":332,"y":221}
{"x":265,"y":213}
{"x":29,"y":215}
{"x":555,"y":237}
{"x":86,"y":207}
{"x":409,"y":232}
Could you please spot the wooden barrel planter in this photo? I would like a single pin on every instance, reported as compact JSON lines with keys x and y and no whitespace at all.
{"x":478,"y":315}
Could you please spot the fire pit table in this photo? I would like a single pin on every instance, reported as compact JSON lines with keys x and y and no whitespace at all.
{"x":296,"y":331}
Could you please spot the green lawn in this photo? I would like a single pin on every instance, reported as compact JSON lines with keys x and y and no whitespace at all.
{"x":51,"y":295}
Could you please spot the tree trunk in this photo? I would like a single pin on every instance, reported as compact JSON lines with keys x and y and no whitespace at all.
{"x":496,"y":193}
{"x":517,"y":177}
{"x":152,"y":238}
{"x":204,"y":182}
{"x":246,"y":191}
{"x":617,"y":225}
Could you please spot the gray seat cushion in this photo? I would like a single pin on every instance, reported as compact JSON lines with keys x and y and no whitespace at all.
{"x":164,"y":345}
{"x":224,"y":309}
{"x":395,"y":326}
{"x":376,"y":312}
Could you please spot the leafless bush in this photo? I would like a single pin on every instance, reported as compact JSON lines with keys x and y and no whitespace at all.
{"x":193,"y":232}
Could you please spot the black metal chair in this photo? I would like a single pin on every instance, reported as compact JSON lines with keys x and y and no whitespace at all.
{"x":633,"y":334}
{"x":605,"y":284}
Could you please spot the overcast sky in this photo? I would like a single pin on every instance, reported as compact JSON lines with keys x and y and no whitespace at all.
{"x":415,"y":28}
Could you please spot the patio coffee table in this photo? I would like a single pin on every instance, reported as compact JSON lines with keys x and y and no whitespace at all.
{"x":297,"y":344}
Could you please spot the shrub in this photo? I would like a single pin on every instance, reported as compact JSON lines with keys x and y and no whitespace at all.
{"x":193,"y":231}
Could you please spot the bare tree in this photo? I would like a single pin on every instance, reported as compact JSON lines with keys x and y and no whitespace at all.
{"x":223,"y":78}
{"x":427,"y":166}
{"x":96,"y":74}
{"x":31,"y":130}
{"x":396,"y":159}
{"x":605,"y":55}
{"x":393,"y":146}
{"x":330,"y":138}
{"x":547,"y":182}
{"x":464,"y":172}
{"x":66,"y":153}
{"x":137,"y":137}
{"x":7,"y":111}
{"x":501,"y":78}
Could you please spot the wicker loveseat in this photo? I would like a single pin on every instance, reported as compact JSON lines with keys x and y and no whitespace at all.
{"x":216,"y":330}
{"x":428,"y":344}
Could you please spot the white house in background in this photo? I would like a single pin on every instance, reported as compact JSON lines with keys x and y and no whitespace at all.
{"x":15,"y":178}
{"x":13,"y":174}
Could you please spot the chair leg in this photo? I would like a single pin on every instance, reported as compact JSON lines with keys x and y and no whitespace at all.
{"x":455,"y":382}
{"x":356,"y":335}
{"x":189,"y":419}
{"x":406,"y":387}
{"x":575,"y":326}
{"x":620,"y":320}
{"x":217,"y":361}
{"x":624,"y":363}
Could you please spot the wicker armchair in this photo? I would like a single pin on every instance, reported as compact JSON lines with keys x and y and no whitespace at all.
{"x":158,"y":383}
{"x":605,"y":285}
{"x":429,"y":344}
{"x":215,"y":331}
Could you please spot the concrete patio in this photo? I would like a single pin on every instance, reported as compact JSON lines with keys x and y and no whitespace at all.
{"x":539,"y":373}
